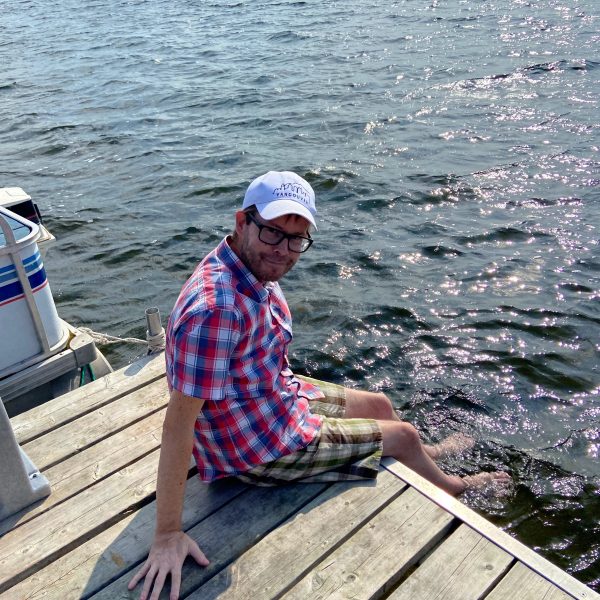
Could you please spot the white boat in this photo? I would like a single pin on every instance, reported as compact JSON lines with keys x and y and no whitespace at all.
{"x":41,"y":356}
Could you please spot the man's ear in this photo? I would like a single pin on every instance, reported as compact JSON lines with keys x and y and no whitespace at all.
{"x":240,"y":221}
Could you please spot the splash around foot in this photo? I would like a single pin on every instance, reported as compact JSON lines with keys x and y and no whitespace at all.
{"x":453,"y":445}
{"x":496,"y":483}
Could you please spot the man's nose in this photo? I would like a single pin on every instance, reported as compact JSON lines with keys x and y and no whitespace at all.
{"x":283,"y":247}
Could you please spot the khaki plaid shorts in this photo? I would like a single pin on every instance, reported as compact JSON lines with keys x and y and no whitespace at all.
{"x":343,"y":450}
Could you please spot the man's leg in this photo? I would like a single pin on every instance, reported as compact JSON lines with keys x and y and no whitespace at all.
{"x":401,"y":441}
{"x":376,"y":405}
{"x":369,"y":405}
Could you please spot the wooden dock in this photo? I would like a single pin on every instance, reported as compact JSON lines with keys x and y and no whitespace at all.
{"x":399,"y":538}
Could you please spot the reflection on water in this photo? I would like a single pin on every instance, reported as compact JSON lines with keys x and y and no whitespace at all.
{"x":454,"y":151}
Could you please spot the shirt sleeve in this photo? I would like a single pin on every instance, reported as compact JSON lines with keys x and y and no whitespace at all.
{"x":202,"y":349}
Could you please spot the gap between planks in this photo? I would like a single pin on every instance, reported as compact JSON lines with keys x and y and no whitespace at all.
{"x":93,"y":465}
{"x":72,"y":405}
{"x":103,"y":422}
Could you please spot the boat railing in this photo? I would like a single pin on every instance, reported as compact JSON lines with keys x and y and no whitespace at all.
{"x":22,"y":482}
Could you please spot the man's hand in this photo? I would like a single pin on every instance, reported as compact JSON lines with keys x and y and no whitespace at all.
{"x":166,"y":557}
{"x":171,"y":546}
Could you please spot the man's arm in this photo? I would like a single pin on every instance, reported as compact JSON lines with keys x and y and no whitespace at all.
{"x":171,"y":545}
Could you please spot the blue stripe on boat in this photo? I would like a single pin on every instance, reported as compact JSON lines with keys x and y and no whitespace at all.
{"x":36,"y":275}
{"x":31,"y":264}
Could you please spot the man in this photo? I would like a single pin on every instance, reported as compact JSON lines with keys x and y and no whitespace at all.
{"x":234,"y":401}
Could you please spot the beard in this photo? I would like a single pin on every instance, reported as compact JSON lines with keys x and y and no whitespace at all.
{"x":265,"y":265}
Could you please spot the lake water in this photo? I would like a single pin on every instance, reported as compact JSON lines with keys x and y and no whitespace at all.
{"x":454,"y":150}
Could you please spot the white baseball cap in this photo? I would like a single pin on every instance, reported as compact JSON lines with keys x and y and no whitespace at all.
{"x":278,"y":193}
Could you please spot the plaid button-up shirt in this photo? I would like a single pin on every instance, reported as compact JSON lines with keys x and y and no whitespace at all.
{"x":227,"y":342}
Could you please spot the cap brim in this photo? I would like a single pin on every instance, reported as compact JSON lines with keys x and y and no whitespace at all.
{"x":279,"y":208}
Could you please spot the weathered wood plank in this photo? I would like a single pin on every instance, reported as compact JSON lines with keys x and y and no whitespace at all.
{"x":230,"y":532}
{"x":82,"y":470}
{"x":371,"y":561}
{"x":74,"y":404}
{"x":526,"y":555}
{"x":524,"y":584}
{"x":92,"y":427}
{"x":303,"y":541}
{"x":42,"y":540}
{"x":464,"y":567}
{"x":91,"y":565}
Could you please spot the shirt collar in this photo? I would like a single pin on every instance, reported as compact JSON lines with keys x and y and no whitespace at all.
{"x":243,"y":279}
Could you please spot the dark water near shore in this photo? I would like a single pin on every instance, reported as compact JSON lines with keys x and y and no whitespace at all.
{"x":454,"y":150}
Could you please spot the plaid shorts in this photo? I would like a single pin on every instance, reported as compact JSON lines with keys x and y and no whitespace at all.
{"x":343,"y":449}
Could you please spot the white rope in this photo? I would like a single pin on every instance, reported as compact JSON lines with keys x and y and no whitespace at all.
{"x":155,"y":343}
{"x":103,"y":339}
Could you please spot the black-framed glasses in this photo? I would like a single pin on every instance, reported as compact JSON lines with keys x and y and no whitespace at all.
{"x":273,"y":236}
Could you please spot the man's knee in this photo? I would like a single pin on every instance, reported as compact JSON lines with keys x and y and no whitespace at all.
{"x":400,"y":439}
{"x":383,"y":406}
{"x":368,"y":405}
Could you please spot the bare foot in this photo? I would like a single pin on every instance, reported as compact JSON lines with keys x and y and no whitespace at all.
{"x":497,"y":483}
{"x":454,"y":444}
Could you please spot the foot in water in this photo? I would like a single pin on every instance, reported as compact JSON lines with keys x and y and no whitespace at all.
{"x":454,"y":444}
{"x":497,"y":483}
